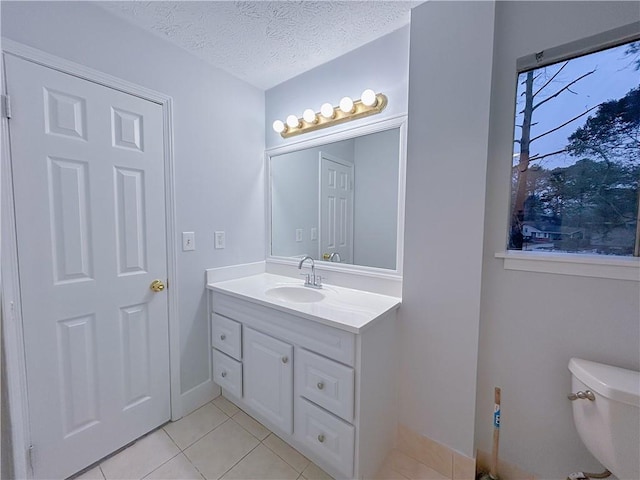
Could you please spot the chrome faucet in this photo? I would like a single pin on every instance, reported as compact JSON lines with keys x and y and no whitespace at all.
{"x":311,"y":280}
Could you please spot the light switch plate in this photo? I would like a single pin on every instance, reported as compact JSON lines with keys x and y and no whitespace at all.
{"x":188,"y":241}
{"x":219,"y":239}
{"x":298,"y":234}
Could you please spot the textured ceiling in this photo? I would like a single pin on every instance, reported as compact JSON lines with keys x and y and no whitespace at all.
{"x":266,"y":43}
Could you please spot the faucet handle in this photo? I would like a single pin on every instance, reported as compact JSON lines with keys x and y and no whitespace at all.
{"x":318,"y":281}
{"x":307,"y":278}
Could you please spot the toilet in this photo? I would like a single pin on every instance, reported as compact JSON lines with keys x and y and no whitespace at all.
{"x":606,"y":412}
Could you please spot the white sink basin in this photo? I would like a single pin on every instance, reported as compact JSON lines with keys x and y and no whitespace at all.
{"x":295,"y":294}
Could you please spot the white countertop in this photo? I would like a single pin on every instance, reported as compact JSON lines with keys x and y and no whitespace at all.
{"x":343,"y":308}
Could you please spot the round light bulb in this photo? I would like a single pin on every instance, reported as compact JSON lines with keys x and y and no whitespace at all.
{"x":346,"y":105}
{"x":309,"y":116}
{"x":292,"y":121}
{"x":369,"y":98}
{"x":278,"y":126}
{"x":327,"y":110}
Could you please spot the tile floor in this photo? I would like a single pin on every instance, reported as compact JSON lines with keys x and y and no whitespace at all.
{"x":220,"y":441}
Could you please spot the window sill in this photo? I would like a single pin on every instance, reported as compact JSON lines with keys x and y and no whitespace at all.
{"x":619,"y":268}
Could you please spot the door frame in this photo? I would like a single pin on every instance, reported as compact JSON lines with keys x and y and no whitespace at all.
{"x":11,"y":314}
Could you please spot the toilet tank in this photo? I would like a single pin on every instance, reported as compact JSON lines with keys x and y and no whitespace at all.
{"x":609,"y":426}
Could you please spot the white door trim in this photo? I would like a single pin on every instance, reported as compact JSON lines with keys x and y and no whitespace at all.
{"x":9,"y":284}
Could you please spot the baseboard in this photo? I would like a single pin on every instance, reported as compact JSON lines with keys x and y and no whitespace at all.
{"x":434,"y":455}
{"x":197,"y":396}
{"x":506,"y":471}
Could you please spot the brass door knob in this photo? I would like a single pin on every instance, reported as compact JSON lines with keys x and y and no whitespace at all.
{"x":157,"y":286}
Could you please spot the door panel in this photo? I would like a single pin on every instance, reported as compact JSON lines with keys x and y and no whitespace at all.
{"x":88,"y":173}
{"x":336,"y":208}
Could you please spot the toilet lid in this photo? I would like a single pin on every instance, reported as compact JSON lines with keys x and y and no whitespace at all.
{"x":611,"y":382}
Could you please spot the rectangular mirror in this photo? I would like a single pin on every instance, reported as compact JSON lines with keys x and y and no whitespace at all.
{"x":340,"y":199}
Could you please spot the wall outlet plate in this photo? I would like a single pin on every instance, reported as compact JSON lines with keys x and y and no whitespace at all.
{"x":219,"y":239}
{"x":298,"y":234}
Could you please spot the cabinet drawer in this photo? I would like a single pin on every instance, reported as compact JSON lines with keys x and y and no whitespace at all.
{"x":227,"y":373}
{"x":325,"y":382}
{"x":329,"y":437}
{"x":226,"y":335}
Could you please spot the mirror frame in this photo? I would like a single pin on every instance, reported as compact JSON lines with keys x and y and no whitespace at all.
{"x":400,"y":122}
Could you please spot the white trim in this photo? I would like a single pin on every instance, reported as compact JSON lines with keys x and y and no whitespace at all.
{"x":398,"y":121}
{"x":199,"y":395}
{"x":13,"y":341}
{"x":602,"y":266}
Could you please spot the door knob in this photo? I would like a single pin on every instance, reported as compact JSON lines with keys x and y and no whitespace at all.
{"x":157,"y":286}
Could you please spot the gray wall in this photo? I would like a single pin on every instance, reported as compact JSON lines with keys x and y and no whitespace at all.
{"x":532,"y":323}
{"x":449,"y":85}
{"x":219,"y":176}
{"x":375,"y":205}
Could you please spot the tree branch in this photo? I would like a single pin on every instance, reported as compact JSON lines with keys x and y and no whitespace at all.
{"x":564,"y":124}
{"x":563,"y":89}
{"x":551,"y":79}
{"x":540,"y":157}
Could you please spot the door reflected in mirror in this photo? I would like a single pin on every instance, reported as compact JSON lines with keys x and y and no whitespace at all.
{"x":338,"y":202}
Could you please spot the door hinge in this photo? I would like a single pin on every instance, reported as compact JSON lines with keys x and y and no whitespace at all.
{"x":6,"y":106}
{"x":30,"y":457}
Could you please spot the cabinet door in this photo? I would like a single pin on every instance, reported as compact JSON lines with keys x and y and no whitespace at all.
{"x":268,"y":378}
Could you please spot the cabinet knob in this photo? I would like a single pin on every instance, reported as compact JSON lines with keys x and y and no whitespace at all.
{"x":321,"y":438}
{"x":320,"y":385}
{"x":222,"y":337}
{"x":285,"y":359}
{"x":224,"y":374}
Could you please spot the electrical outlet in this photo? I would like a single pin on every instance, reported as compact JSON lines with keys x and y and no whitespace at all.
{"x":188,"y":241}
{"x":219,"y":240}
{"x":298,"y":234}
{"x":314,"y":233}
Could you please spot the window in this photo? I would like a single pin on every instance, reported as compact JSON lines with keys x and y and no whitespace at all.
{"x":576,"y":156}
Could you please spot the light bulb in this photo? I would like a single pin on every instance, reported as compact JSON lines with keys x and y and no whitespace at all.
{"x":292,"y":121}
{"x":309,"y":116}
{"x":369,"y":98}
{"x":346,"y":105}
{"x":278,"y":126}
{"x":327,"y":110}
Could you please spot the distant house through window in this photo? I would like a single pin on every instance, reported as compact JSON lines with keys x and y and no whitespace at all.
{"x":576,"y":156}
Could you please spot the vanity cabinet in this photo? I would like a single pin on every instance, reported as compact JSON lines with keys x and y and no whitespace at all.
{"x":327,"y":391}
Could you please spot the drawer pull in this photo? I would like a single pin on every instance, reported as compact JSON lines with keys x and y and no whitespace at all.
{"x":321,"y":438}
{"x":224,"y":374}
{"x":285,"y":359}
{"x":222,"y":337}
{"x":320,"y":385}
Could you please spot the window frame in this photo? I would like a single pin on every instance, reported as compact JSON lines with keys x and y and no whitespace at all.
{"x":586,"y":265}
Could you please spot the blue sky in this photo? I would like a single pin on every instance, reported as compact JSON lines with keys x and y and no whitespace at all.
{"x":614,"y":77}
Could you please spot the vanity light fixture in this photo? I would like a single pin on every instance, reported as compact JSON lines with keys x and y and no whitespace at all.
{"x":370,"y":103}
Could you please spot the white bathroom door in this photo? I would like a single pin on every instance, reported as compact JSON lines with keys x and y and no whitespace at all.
{"x":88,"y":173}
{"x":336,"y":208}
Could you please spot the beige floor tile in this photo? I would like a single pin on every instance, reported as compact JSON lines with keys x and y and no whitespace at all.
{"x":93,"y":474}
{"x":411,"y":468}
{"x":225,"y":405}
{"x":141,"y":458}
{"x":290,"y":455}
{"x":195,"y":425}
{"x":387,"y":473}
{"x":261,"y":464}
{"x":221,"y":449}
{"x":251,"y":425}
{"x":179,"y":467}
{"x":314,"y":472}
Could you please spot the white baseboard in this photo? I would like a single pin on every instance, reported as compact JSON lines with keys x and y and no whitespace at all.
{"x":197,"y":396}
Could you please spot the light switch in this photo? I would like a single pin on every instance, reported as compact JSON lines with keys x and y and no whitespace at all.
{"x":298,"y":234}
{"x":219,"y":239}
{"x":188,"y":241}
